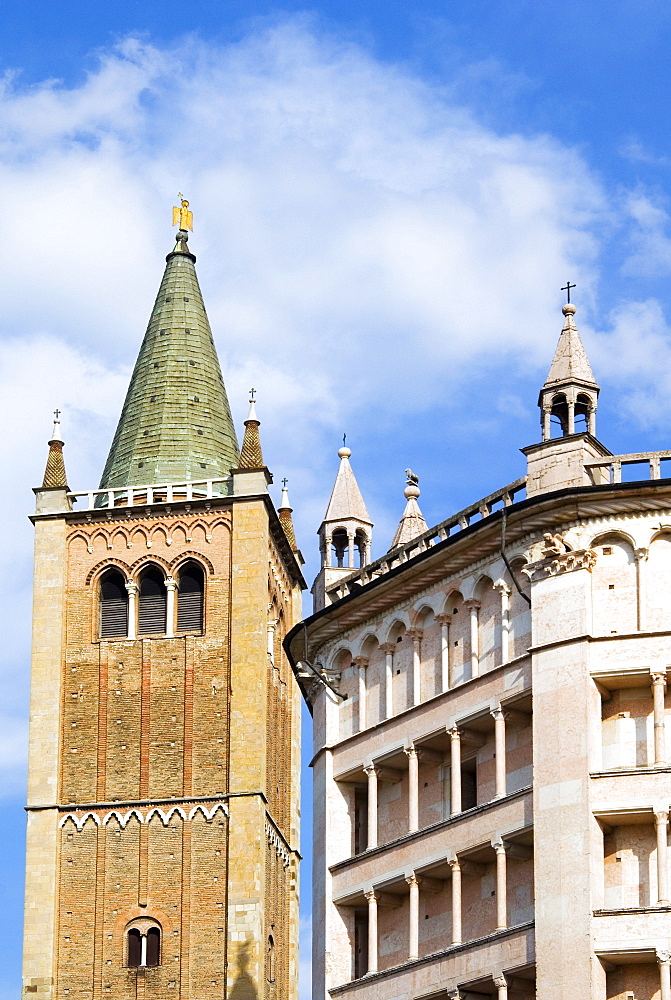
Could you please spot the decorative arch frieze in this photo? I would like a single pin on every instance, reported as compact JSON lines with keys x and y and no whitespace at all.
{"x":143,"y":815}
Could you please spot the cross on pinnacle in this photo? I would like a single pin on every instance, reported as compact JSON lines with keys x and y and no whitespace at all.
{"x":344,"y":440}
{"x":57,"y":414}
{"x":284,"y":482}
{"x":567,"y":288}
{"x":252,"y":394}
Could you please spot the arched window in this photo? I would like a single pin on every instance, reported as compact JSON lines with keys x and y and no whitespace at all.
{"x":339,"y":545}
{"x":134,"y":948}
{"x":153,"y":946}
{"x":190,"y":599}
{"x":152,"y":610}
{"x":143,"y":944}
{"x":113,"y":606}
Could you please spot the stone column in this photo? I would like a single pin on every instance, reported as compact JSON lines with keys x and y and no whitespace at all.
{"x":664,"y":962}
{"x":499,"y":717}
{"x":570,"y":424}
{"x":501,"y":987}
{"x":501,"y":886}
{"x":474,"y":608}
{"x":591,"y":421}
{"x":641,"y":589}
{"x":271,"y":640}
{"x":360,"y":662}
{"x":413,"y":916}
{"x":658,"y":690}
{"x":547,"y":428}
{"x":371,"y":772}
{"x":662,"y":828}
{"x":455,"y":771}
{"x":413,"y":789}
{"x":350,"y":549}
{"x":444,"y":622}
{"x":372,"y":930}
{"x":504,"y":591}
{"x":132,"y":589}
{"x":171,"y":588}
{"x":388,"y":650}
{"x":416,"y":636}
{"x":456,"y":900}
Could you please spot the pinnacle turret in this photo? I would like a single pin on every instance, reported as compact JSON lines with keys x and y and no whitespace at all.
{"x":570,"y":391}
{"x":54,"y":474}
{"x":176,"y":422}
{"x":251,"y":455}
{"x":412,"y":522}
{"x":284,"y":512}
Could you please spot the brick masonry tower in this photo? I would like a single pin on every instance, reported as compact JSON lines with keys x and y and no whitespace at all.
{"x":163,"y":796}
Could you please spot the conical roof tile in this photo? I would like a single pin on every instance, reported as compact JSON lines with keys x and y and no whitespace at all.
{"x":346,"y":500}
{"x":570,"y":362}
{"x":176,"y":422}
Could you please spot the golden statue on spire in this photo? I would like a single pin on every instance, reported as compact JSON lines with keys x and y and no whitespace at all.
{"x":182,"y":217}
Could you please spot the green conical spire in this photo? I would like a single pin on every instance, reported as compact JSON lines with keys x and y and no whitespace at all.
{"x":176,"y":423}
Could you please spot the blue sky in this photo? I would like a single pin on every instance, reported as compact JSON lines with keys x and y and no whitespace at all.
{"x":387,"y":199}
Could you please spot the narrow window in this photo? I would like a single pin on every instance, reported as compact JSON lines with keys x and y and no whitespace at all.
{"x":134,"y":948}
{"x":270,"y":960}
{"x":152,"y":610}
{"x":190,"y":599}
{"x":153,"y":946}
{"x":360,"y":944}
{"x":113,"y":606}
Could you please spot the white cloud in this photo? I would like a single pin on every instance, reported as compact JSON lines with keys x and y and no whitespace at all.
{"x":365,"y":245}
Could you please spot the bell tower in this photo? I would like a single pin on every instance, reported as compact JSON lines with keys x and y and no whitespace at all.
{"x":163,"y":796}
{"x":568,"y":402}
{"x":345,"y":534}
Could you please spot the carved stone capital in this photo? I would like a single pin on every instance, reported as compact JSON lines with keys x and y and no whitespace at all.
{"x":360,"y":661}
{"x":472,"y":604}
{"x":567,"y":562}
{"x":641,"y":554}
{"x":170,"y":583}
{"x":503,"y":588}
{"x":132,"y":588}
{"x":500,"y":982}
{"x":370,"y":896}
{"x":661,"y":817}
{"x":498,"y":714}
{"x":388,"y":647}
{"x":415,"y":634}
{"x":370,"y":769}
{"x":663,"y":957}
{"x":444,"y":619}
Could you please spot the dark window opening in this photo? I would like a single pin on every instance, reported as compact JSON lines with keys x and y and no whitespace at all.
{"x":360,"y":945}
{"x":153,"y":946}
{"x":469,"y":784}
{"x":113,"y":606}
{"x":152,"y":610}
{"x":360,"y":820}
{"x":134,"y":948}
{"x":190,"y":602}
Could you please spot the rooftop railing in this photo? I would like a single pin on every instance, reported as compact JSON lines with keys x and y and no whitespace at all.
{"x":612,"y":465}
{"x":483,"y":508}
{"x":154,"y":493}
